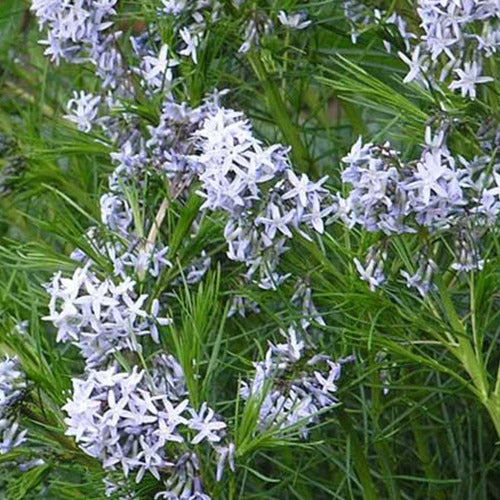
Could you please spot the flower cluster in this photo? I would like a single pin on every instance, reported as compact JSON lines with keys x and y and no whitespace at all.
{"x":118,"y":488}
{"x":172,"y":157}
{"x":361,"y":16}
{"x":438,"y":194}
{"x":378,"y":200}
{"x":78,"y":32}
{"x":128,"y":420}
{"x":258,"y":26}
{"x":185,"y":480}
{"x":457,"y":37}
{"x":191,"y":35}
{"x":302,"y":301}
{"x":12,"y":388}
{"x":292,"y":388}
{"x":99,"y":317}
{"x":421,"y":280}
{"x":257,"y":187}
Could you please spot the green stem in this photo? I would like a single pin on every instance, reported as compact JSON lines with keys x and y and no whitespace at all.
{"x":493,"y":408}
{"x":426,"y":461}
{"x":472,"y":361}
{"x":477,"y":345}
{"x":496,"y":392}
{"x":290,"y":132}
{"x":232,"y":487}
{"x":383,"y":453}
{"x":464,"y":351}
{"x":358,"y":455}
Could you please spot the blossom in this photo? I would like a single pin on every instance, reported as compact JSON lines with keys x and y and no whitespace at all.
{"x":203,"y":422}
{"x":373,"y":270}
{"x":226,"y":455}
{"x":77,"y":32}
{"x":295,"y":21}
{"x":430,"y":171}
{"x":99,"y":317}
{"x":301,"y":187}
{"x":185,"y":480}
{"x":469,"y":77}
{"x":124,"y":419}
{"x":116,"y":213}
{"x":157,"y":69}
{"x":468,"y":255}
{"x":422,"y":279}
{"x":174,"y":7}
{"x":83,"y":110}
{"x":12,"y":387}
{"x":415,"y":65}
{"x":191,"y":40}
{"x":358,"y":153}
{"x":302,"y":299}
{"x":275,"y":221}
{"x":299,"y":401}
{"x":10,"y":437}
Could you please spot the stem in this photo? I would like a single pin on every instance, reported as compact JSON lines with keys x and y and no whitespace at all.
{"x":496,"y":392}
{"x":153,"y":232}
{"x":277,"y":106}
{"x":472,"y":362}
{"x":29,"y":98}
{"x":464,"y":351}
{"x":232,"y":487}
{"x":475,"y":338}
{"x":426,"y":460}
{"x":383,"y":453}
{"x":494,"y":411}
{"x":358,"y":455}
